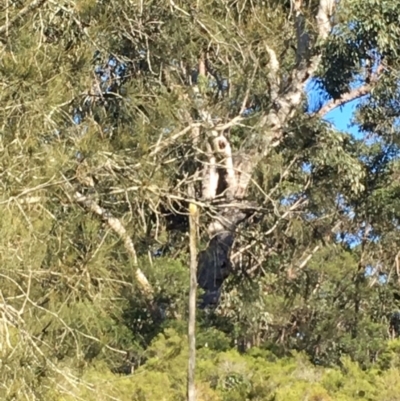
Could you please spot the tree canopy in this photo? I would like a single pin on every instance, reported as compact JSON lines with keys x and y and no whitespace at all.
{"x":111,"y":111}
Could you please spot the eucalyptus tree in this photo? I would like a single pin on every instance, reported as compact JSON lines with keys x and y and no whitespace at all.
{"x":111,"y":110}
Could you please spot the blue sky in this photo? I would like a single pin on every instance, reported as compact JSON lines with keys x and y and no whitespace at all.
{"x":341,"y":118}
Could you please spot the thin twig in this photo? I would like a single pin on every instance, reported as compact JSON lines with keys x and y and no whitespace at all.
{"x":33,"y":6}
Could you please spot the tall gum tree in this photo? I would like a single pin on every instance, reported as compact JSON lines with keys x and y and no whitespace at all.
{"x":112,"y":109}
{"x":238,"y":72}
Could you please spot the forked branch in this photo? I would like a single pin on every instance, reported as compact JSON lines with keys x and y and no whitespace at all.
{"x":289,"y":100}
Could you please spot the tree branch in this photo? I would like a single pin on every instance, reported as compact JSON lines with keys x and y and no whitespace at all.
{"x":30,"y":7}
{"x":356,"y":93}
{"x":116,"y":225}
{"x":302,"y":35}
{"x":288,"y":101}
{"x":345,"y":98}
{"x":273,"y":72}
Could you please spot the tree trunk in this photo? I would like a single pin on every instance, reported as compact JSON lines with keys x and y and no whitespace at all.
{"x":229,"y":179}
{"x":228,"y":182}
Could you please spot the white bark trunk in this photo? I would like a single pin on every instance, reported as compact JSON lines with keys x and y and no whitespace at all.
{"x":214,"y":263}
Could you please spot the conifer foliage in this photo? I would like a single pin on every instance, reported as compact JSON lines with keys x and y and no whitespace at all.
{"x":110,"y":111}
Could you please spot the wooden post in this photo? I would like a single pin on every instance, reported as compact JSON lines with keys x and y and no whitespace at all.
{"x":193,"y":219}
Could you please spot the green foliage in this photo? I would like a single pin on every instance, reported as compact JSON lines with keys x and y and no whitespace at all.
{"x":231,"y":376}
{"x":309,"y":311}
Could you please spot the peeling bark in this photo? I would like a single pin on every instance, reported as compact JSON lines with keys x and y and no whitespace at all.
{"x":214,"y":263}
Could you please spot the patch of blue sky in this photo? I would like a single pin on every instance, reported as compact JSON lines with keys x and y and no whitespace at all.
{"x":371,"y":271}
{"x":340,"y":117}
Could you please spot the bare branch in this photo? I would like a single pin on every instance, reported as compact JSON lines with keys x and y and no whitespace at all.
{"x":210,"y":176}
{"x":116,"y":225}
{"x":353,"y":94}
{"x":162,"y":145}
{"x":304,"y":262}
{"x":173,"y":5}
{"x":345,"y":98}
{"x":30,"y":190}
{"x":235,"y":121}
{"x":273,"y":72}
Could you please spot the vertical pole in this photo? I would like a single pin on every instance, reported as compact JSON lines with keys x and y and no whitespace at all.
{"x":193,"y":218}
